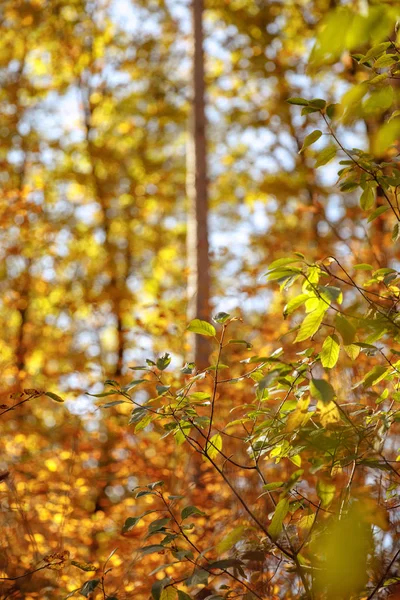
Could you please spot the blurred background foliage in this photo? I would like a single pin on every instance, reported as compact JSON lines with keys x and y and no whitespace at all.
{"x":94,"y":105}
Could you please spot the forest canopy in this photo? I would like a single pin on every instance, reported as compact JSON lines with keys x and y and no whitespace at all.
{"x":199,"y":299}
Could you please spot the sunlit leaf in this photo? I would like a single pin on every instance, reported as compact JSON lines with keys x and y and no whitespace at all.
{"x":330,"y":351}
{"x":214,"y":446}
{"x":281,"y":510}
{"x":201,"y":327}
{"x":310,"y":139}
{"x":311,"y":324}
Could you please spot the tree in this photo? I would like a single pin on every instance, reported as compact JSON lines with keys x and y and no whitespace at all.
{"x":197,"y":191}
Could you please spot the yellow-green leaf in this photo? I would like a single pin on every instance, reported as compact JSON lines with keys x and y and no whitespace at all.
{"x":306,"y":522}
{"x":346,"y":329}
{"x":310,"y":139}
{"x":299,"y":416}
{"x":352,"y":351}
{"x":328,"y":413}
{"x":214,"y":446}
{"x":54,"y":396}
{"x":231,"y":539}
{"x":295,"y":303}
{"x":325,"y":491}
{"x":330,"y":351}
{"x":367,"y":199}
{"x":168,"y":593}
{"x":280,"y":513}
{"x":325,"y":155}
{"x":311,"y":324}
{"x":321,"y":390}
{"x":201,"y":327}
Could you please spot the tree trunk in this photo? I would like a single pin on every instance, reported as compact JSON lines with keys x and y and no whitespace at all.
{"x":197,"y":228}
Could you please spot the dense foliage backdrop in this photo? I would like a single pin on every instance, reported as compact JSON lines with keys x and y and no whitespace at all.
{"x":265,"y":464}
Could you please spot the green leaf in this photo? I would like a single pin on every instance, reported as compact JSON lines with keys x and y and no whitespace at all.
{"x":133,"y":384}
{"x":377,"y":213}
{"x":221,"y":317}
{"x":378,"y":78}
{"x":199,"y":396}
{"x":281,"y":262}
{"x":183,"y":595}
{"x":114,"y":403}
{"x":375,"y":51}
{"x":199,"y":576}
{"x":379,"y":101}
{"x":151,"y":549}
{"x":155,"y":484}
{"x":317,"y":103}
{"x":131,"y":522}
{"x":182,"y":432}
{"x":158,"y":525}
{"x":54,"y":396}
{"x":395,"y":232}
{"x":346,"y":329}
{"x":322,"y":390}
{"x":282,"y":274}
{"x":352,"y":351}
{"x":274,"y":485}
{"x":231,"y":539}
{"x":138,"y":414}
{"x":144,"y":493}
{"x":334,"y":110}
{"x":163,"y":362}
{"x":325,"y":492}
{"x":330,"y":351}
{"x":363,"y":267}
{"x":188,"y":511}
{"x":367,"y":198}
{"x":158,"y":586}
{"x":188,"y":368}
{"x":247,"y":344}
{"x":311,"y":324}
{"x":168,"y":593}
{"x":331,"y":293}
{"x":325,"y":155}
{"x":394,"y":114}
{"x":89,"y":587}
{"x":307,"y":110}
{"x":143,"y":423}
{"x":103,"y":394}
{"x":295,"y":303}
{"x":310,"y":139}
{"x":375,"y":375}
{"x":386,"y":60}
{"x":162,"y":389}
{"x":281,"y":510}
{"x":386,"y":136}
{"x":298,"y":101}
{"x":201,"y":327}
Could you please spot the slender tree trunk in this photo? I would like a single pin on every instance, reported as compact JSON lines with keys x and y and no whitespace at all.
{"x":197,"y":228}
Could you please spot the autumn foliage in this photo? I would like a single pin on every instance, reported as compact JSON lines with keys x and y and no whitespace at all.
{"x":269,"y":469}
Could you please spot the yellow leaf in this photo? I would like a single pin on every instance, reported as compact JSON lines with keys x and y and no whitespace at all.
{"x":299,"y":416}
{"x":306,"y":522}
{"x":168,"y":593}
{"x":214,"y":446}
{"x":328,"y":413}
{"x":311,"y":324}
